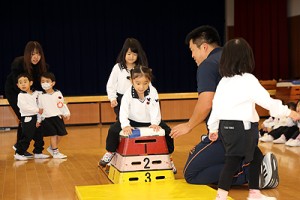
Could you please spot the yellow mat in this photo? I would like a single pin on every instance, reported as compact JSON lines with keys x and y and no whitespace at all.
{"x":167,"y":190}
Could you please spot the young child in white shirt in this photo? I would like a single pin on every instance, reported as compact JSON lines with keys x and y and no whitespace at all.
{"x":28,"y":104}
{"x":131,"y":54}
{"x":283,"y":128}
{"x":235,"y":120}
{"x":54,"y":110}
{"x":294,"y":140}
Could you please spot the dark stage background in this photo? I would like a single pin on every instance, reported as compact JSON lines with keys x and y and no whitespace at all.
{"x":81,"y":39}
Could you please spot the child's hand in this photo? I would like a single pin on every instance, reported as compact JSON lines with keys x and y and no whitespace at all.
{"x":156,"y":128}
{"x":38,"y":124}
{"x":213,"y":136}
{"x":127,"y":130}
{"x":41,"y":111}
{"x":294,"y":115}
{"x":67,"y":117}
{"x":113,"y":103}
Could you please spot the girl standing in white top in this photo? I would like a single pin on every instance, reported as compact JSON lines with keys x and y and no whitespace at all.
{"x":54,"y":109}
{"x":235,"y":119}
{"x":131,"y":54}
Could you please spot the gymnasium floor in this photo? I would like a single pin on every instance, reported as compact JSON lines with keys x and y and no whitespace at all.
{"x":85,"y":145}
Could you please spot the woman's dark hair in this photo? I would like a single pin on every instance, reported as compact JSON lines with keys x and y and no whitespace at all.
{"x":34,"y":46}
{"x":135,"y":46}
{"x":49,"y":75}
{"x":205,"y":33}
{"x":237,"y":58}
{"x":140,"y":71}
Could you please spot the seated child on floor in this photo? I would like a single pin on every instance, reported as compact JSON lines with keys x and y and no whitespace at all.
{"x":294,"y":140}
{"x":267,"y":126}
{"x":282,"y":130}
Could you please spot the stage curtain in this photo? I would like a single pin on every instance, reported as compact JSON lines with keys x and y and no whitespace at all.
{"x":264,"y":25}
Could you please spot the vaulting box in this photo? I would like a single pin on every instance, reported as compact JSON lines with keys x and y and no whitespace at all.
{"x":141,"y":163}
{"x":142,"y":146}
{"x":139,"y":176}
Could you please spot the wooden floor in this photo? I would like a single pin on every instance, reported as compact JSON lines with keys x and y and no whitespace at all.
{"x":56,"y":179}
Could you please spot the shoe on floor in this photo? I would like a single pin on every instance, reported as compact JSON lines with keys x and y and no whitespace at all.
{"x":262,"y":198}
{"x":173,"y":167}
{"x":106,"y":159}
{"x":280,"y":140}
{"x":50,"y":150}
{"x":59,"y":155}
{"x":288,"y":142}
{"x":266,"y":138}
{"x":269,"y":172}
{"x":20,"y":157}
{"x":28,"y":155}
{"x":295,"y":143}
{"x":40,"y":156}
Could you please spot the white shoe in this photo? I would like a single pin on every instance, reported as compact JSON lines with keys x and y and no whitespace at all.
{"x":295,"y":143}
{"x":266,"y":138}
{"x":106,"y":158}
{"x":20,"y":157}
{"x":50,"y":150}
{"x":173,"y":167}
{"x":40,"y":156}
{"x":280,"y":140}
{"x":288,"y":142}
{"x":59,"y":155}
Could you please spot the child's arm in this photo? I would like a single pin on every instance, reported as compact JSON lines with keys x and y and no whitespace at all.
{"x":124,"y":111}
{"x":127,"y":130}
{"x":156,"y":128}
{"x":66,"y":112}
{"x":213,"y":136}
{"x":64,"y":109}
{"x":25,"y":106}
{"x":111,"y":86}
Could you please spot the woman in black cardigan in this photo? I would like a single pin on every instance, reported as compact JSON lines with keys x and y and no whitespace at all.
{"x":32,"y":62}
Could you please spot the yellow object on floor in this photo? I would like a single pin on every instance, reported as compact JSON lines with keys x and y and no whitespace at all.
{"x":139,"y":176}
{"x":166,"y":190}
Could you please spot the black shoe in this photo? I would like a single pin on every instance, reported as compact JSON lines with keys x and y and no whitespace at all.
{"x":28,"y":155}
